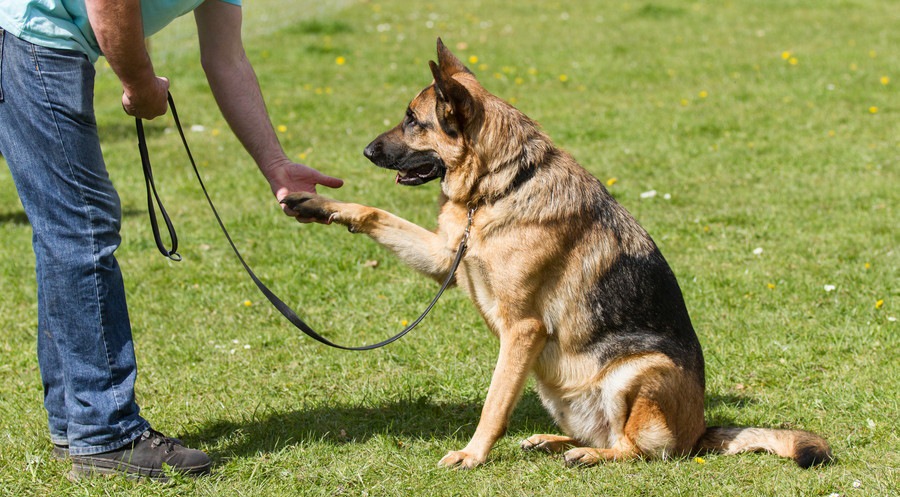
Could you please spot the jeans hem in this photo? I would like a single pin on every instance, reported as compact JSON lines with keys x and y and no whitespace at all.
{"x":99,"y":449}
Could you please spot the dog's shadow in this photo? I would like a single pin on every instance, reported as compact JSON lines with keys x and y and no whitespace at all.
{"x":404,"y":420}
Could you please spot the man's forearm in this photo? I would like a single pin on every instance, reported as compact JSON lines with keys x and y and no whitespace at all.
{"x":118,"y":26}
{"x":237,"y":92}
{"x":238,"y":95}
{"x":234,"y":84}
{"x":120,"y":34}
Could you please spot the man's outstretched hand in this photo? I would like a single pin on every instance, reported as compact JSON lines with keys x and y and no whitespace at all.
{"x":288,"y":177}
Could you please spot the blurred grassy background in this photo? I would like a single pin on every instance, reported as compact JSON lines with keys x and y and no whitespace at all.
{"x":769,"y":131}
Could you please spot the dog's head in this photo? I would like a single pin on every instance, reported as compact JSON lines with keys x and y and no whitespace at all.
{"x":431,"y":139}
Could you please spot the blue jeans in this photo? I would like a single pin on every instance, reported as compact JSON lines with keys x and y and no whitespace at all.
{"x":48,"y":136}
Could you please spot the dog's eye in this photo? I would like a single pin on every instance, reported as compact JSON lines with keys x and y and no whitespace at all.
{"x":410,"y":119}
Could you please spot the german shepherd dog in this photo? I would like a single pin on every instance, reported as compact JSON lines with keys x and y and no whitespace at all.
{"x":570,"y":283}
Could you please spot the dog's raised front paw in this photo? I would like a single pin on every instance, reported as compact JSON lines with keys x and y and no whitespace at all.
{"x":457,"y":459}
{"x":308,"y":206}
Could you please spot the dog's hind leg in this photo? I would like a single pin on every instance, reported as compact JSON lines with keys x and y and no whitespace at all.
{"x":653,"y":409}
{"x":552,"y":444}
{"x":589,"y":456}
{"x":644,"y":428}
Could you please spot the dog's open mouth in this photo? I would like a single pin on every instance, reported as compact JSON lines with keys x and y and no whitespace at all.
{"x":414,"y":167}
{"x":421,"y":174}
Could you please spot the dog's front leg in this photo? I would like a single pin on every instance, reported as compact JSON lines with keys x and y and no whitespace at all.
{"x":520,"y":346}
{"x":419,"y":248}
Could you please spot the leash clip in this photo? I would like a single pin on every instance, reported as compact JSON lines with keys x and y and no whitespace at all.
{"x":471,"y":215}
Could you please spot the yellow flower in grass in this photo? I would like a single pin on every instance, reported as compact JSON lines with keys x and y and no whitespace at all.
{"x":247,"y":303}
{"x":473,"y":59}
{"x":611,"y":181}
{"x":873,"y":110}
{"x":879,"y":304}
{"x":563,"y":78}
{"x":340,"y":61}
{"x":699,"y":460}
{"x":281,"y":128}
{"x":785,"y":55}
{"x":885,"y":80}
{"x":404,"y":323}
{"x":770,"y":286}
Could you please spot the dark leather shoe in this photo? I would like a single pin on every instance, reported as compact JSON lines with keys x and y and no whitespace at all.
{"x":144,"y":458}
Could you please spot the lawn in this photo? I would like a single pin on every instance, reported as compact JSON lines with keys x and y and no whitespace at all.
{"x":769,"y":132}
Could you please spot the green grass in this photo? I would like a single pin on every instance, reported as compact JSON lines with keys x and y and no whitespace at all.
{"x":694,"y":100}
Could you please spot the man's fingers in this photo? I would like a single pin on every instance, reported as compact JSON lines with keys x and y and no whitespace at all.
{"x":330,"y":181}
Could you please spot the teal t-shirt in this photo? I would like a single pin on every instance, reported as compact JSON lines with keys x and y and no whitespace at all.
{"x":64,"y":23}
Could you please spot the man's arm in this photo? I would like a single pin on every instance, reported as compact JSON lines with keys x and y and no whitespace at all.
{"x":236,"y":89}
{"x":119,"y":30}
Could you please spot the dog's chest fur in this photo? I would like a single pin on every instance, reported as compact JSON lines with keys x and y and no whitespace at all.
{"x":475,"y":277}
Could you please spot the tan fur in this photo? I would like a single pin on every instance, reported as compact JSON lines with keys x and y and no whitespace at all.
{"x":544,"y":235}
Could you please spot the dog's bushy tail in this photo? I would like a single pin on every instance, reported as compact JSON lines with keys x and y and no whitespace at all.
{"x":805,"y":448}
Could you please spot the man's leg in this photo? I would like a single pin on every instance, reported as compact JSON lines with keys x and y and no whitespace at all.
{"x":49,"y":138}
{"x":48,"y":135}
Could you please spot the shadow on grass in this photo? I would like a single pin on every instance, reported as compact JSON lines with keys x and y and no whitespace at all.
{"x":406,"y":419}
{"x":17,"y":217}
{"x":421,"y":418}
{"x":715,"y":402}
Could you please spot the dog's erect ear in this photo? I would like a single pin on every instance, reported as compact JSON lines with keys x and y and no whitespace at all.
{"x":454,"y":105}
{"x":448,"y":62}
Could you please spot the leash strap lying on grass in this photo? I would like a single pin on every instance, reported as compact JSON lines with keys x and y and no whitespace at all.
{"x":283,"y":308}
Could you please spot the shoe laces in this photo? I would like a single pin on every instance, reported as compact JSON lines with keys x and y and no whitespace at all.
{"x":160,"y":439}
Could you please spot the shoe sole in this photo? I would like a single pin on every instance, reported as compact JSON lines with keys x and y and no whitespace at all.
{"x":59,"y":453}
{"x":82,"y":470}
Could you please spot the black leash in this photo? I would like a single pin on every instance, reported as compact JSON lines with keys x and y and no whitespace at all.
{"x":151,"y":195}
{"x":283,"y":308}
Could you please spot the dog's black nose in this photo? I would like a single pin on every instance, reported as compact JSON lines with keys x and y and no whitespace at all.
{"x":372,"y":150}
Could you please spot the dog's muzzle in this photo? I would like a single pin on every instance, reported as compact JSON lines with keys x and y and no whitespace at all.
{"x":413,"y":167}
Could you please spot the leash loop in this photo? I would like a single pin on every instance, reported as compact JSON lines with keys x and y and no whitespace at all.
{"x":152,"y":195}
{"x":283,"y":308}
